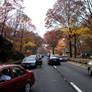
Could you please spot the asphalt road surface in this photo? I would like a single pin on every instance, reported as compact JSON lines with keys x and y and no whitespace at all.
{"x":63,"y":78}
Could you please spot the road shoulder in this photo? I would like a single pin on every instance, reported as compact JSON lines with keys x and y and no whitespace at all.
{"x":84,"y":66}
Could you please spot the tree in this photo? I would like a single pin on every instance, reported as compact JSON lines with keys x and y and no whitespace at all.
{"x":6,"y":8}
{"x":87,"y":14}
{"x":65,"y":14}
{"x":20,"y":22}
{"x":51,"y":38}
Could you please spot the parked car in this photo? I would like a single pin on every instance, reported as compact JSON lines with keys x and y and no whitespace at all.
{"x":85,"y":55}
{"x":90,"y":68}
{"x":14,"y":78}
{"x":29,"y":62}
{"x":53,"y":60}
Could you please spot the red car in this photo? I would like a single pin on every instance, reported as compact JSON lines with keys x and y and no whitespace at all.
{"x":14,"y":78}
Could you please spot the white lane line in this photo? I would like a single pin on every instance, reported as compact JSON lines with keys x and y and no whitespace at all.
{"x":54,"y":66}
{"x":75,"y":87}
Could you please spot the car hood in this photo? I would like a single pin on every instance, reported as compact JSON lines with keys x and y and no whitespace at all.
{"x":29,"y":62}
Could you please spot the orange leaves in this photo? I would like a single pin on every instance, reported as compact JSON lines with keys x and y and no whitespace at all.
{"x":52,"y":37}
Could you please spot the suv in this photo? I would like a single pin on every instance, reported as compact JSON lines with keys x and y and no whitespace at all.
{"x":14,"y":78}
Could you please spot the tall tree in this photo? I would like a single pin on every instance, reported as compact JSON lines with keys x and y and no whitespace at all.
{"x":6,"y":8}
{"x":65,"y":13}
{"x":52,"y":37}
{"x":87,"y":14}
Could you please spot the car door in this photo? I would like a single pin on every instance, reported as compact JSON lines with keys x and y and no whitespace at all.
{"x":19,"y":79}
{"x":6,"y":84}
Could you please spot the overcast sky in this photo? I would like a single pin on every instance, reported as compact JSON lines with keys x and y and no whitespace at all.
{"x":36,"y":10}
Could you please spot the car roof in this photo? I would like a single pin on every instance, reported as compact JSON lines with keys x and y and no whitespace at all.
{"x":52,"y":57}
{"x":7,"y":65}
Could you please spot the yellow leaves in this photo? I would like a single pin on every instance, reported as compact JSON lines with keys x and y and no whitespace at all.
{"x":28,"y":51}
{"x":70,"y":32}
{"x":84,"y":32}
{"x":11,"y":41}
{"x":32,"y":44}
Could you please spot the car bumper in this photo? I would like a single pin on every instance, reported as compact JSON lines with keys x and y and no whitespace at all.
{"x":28,"y":65}
{"x":54,"y":63}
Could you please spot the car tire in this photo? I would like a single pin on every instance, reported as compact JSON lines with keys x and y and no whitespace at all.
{"x":27,"y":87}
{"x":89,"y":72}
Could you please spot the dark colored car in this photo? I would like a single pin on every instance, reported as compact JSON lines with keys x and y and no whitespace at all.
{"x":85,"y":55}
{"x":39,"y":60}
{"x":29,"y":62}
{"x":53,"y":60}
{"x":14,"y":78}
{"x":63,"y":58}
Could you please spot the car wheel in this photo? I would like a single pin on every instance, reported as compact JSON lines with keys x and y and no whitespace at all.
{"x":89,"y":72}
{"x":27,"y":87}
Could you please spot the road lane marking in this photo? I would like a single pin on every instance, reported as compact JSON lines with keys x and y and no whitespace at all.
{"x":75,"y":87}
{"x":54,"y":66}
{"x":70,"y":83}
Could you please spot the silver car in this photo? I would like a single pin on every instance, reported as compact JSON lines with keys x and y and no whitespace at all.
{"x":29,"y":62}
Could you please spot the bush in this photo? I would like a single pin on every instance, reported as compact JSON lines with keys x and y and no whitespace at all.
{"x":17,"y":55}
{"x":5,"y":49}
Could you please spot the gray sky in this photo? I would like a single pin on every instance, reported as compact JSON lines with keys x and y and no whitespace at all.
{"x":36,"y":10}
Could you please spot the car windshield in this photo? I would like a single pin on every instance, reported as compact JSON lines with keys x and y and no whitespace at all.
{"x":57,"y":55}
{"x":29,"y":59}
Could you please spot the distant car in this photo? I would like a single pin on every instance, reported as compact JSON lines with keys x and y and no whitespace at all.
{"x":59,"y":56}
{"x":20,"y":79}
{"x":53,"y":60}
{"x":90,"y":68}
{"x":85,"y":55}
{"x":63,"y":58}
{"x":29,"y":62}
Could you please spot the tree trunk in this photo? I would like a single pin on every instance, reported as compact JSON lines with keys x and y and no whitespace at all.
{"x":53,"y":50}
{"x":70,"y":47}
{"x":75,"y":49}
{"x":21,"y":42}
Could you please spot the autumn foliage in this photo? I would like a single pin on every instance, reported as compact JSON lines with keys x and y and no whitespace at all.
{"x":52,"y":38}
{"x":75,"y":18}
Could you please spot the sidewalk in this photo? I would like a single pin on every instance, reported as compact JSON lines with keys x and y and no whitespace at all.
{"x":85,"y":66}
{"x":81,"y":62}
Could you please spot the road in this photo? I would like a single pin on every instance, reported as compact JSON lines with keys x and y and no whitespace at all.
{"x":63,"y":78}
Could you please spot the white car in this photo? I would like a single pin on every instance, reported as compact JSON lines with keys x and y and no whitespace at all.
{"x":90,"y":68}
{"x":29,"y":62}
{"x":33,"y":56}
